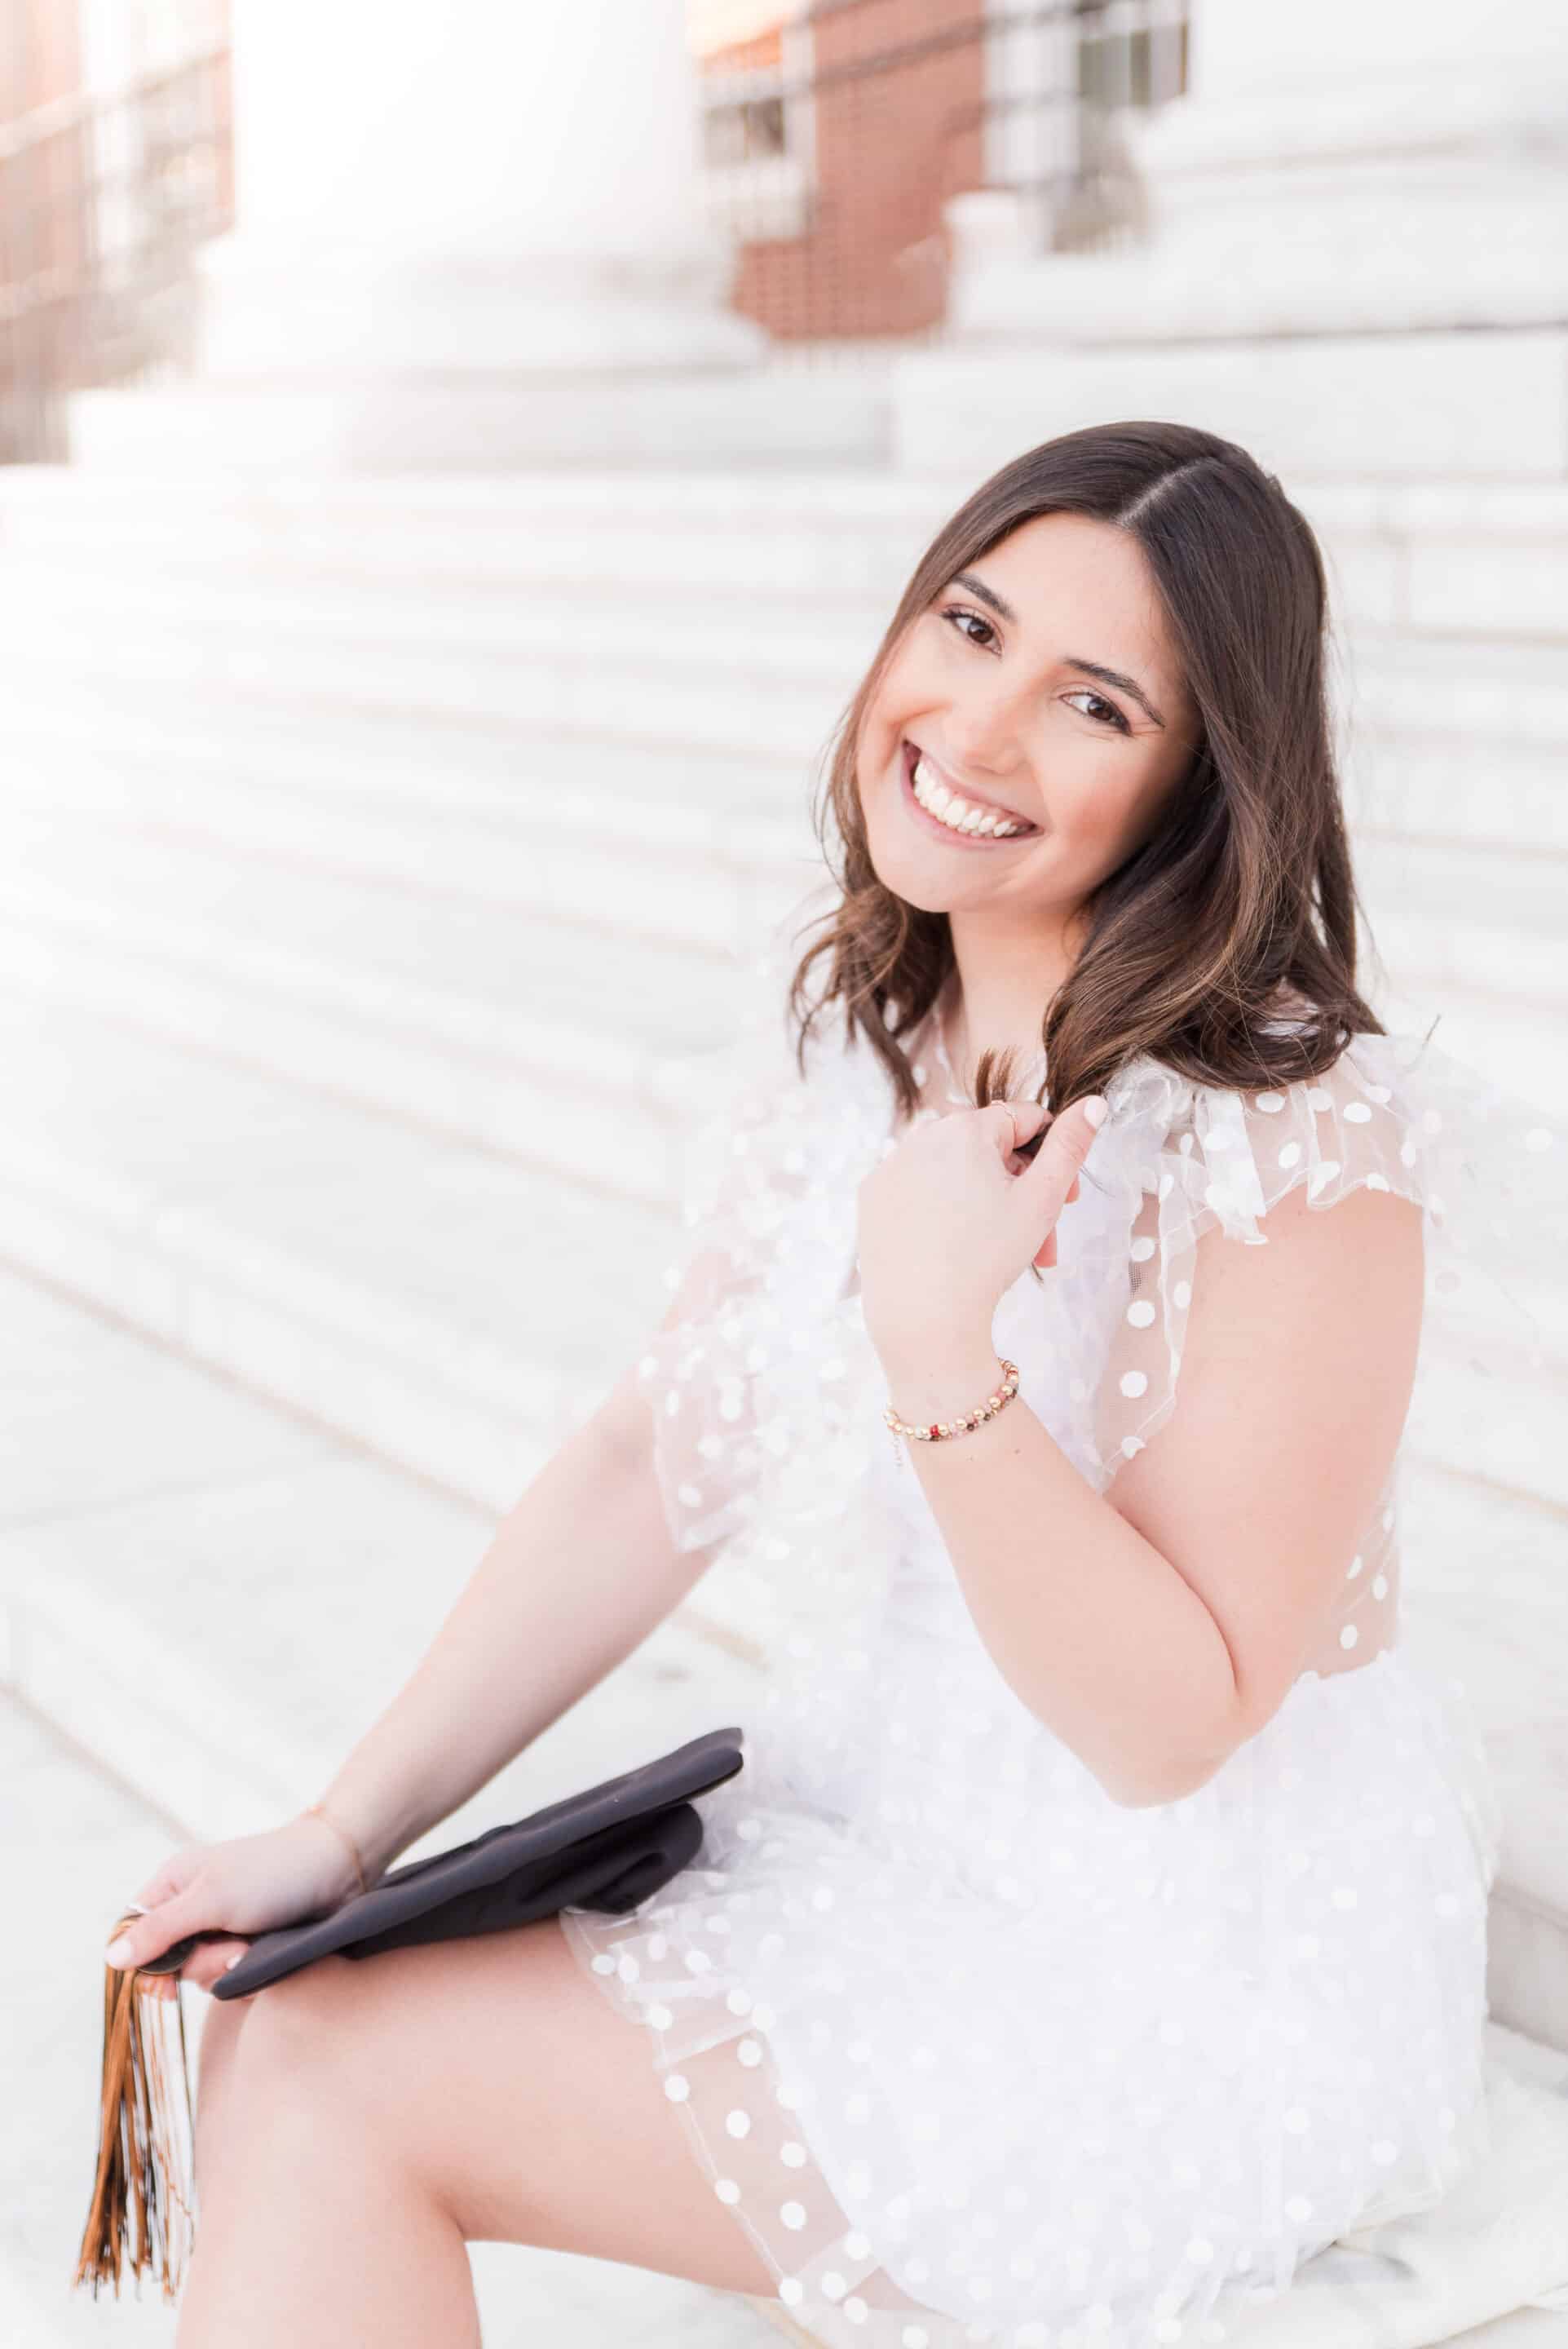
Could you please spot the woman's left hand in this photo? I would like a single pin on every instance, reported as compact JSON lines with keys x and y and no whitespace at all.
{"x":948,"y":1220}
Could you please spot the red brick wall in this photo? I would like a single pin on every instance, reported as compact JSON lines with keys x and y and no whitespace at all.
{"x":898,"y":131}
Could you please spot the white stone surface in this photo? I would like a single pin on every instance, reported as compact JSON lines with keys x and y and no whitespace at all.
{"x":1484,"y":406}
{"x":421,"y":1294}
{"x":1350,"y":254}
{"x":390,"y":216}
{"x":1335,"y":171}
{"x":779,"y":415}
{"x":414,"y":285}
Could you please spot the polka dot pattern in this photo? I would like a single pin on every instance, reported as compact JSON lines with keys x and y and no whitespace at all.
{"x":1256,"y":2010}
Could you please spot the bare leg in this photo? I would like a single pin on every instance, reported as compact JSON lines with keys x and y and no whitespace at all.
{"x":363,"y":2120}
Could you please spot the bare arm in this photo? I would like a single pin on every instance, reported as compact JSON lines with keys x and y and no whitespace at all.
{"x":579,"y":1573}
{"x":1156,"y":1631}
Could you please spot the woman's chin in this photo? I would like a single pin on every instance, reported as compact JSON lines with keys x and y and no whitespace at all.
{"x":913,"y":879}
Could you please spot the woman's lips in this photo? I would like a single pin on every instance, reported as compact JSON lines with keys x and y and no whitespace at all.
{"x":908,"y":760}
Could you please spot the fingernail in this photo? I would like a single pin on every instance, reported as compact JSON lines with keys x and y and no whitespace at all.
{"x":1094,"y":1110}
{"x":230,"y":1963}
{"x":119,"y":1952}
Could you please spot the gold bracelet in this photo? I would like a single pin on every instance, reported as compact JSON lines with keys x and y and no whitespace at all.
{"x":316,"y":1811}
{"x":939,"y":1428}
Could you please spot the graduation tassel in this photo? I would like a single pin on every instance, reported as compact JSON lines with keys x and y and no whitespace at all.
{"x":142,"y":2216}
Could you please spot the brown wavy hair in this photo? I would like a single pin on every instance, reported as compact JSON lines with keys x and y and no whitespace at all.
{"x":1243,"y":906}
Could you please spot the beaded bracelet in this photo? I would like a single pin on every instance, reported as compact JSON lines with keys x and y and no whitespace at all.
{"x":316,"y":1811}
{"x":940,"y":1428}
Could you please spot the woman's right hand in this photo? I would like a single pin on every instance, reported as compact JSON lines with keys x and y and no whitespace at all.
{"x":241,"y":1888}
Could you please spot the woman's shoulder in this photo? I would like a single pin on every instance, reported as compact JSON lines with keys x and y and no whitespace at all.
{"x":1391,"y":1111}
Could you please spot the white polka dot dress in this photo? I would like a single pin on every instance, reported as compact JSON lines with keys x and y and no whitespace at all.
{"x":970,"y":2051}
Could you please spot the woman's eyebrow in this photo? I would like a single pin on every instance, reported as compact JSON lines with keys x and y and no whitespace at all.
{"x":1003,"y":611}
{"x":1115,"y":676}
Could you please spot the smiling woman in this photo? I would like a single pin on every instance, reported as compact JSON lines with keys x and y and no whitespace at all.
{"x":1098,"y":1926}
{"x":1118,"y":645}
{"x":1100,"y":1930}
{"x":995,"y":738}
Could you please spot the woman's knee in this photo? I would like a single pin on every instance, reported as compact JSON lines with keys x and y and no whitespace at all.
{"x":299,"y":2040}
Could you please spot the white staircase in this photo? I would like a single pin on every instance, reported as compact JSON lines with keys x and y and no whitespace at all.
{"x":369,"y":851}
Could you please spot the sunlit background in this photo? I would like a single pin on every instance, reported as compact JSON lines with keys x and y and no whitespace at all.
{"x":454,"y":464}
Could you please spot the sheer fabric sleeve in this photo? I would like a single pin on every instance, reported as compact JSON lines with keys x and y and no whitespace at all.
{"x":698,"y":1372}
{"x":756,"y":1378}
{"x":1393,"y":1113}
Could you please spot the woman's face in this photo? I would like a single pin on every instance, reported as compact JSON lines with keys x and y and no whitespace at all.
{"x":1041,"y":688}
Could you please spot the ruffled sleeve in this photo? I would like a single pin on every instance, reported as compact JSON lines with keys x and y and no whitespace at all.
{"x":758,"y":1368}
{"x":1178,"y":1159}
{"x":696,"y":1375}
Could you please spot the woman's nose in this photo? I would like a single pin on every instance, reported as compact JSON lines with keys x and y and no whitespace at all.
{"x":984,"y":743}
{"x":982,"y":733}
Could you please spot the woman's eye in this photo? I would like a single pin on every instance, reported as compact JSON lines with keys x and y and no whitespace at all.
{"x":958,"y":612}
{"x":1114,"y":716}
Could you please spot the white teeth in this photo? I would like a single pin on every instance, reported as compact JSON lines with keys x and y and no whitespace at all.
{"x":957,"y":813}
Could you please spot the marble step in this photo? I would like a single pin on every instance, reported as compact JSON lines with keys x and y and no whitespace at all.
{"x":423,"y":1295}
{"x":741,"y":670}
{"x":615,"y":667}
{"x":1487,"y":918}
{"x":1400,"y":682}
{"x":1483,"y":1571}
{"x":1448,"y":784}
{"x":778,"y":413}
{"x":108,"y":841}
{"x":215,"y":1596}
{"x":300,"y":767}
{"x":577,"y":800}
{"x":539,"y":1036}
{"x":399,"y":991}
{"x":412,"y":1289}
{"x":676,"y":848}
{"x":1432,"y":556}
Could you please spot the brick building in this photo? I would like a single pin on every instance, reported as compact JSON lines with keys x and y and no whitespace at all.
{"x":835,"y":131}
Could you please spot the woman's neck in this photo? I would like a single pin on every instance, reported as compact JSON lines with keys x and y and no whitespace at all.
{"x":998,"y":992}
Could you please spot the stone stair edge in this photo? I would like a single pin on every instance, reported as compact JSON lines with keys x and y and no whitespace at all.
{"x":367,"y":572}
{"x":332,"y":750}
{"x":175,"y":1721}
{"x":483,"y":734}
{"x":421,"y":1072}
{"x":1384,"y":656}
{"x":660,"y":815}
{"x":735,"y":493}
{"x":365,"y":617}
{"x":460,"y":1410}
{"x":378,"y":993}
{"x":207,"y":1245}
{"x":687,"y":964}
{"x":200,"y":1245}
{"x":751,"y":839}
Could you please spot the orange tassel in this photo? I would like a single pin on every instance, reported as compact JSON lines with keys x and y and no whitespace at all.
{"x":143,"y":2205}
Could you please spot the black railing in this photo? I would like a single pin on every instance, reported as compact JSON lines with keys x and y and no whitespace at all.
{"x":104,"y":201}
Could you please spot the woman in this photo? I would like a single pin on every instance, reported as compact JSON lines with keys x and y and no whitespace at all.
{"x":1099,"y":1926}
